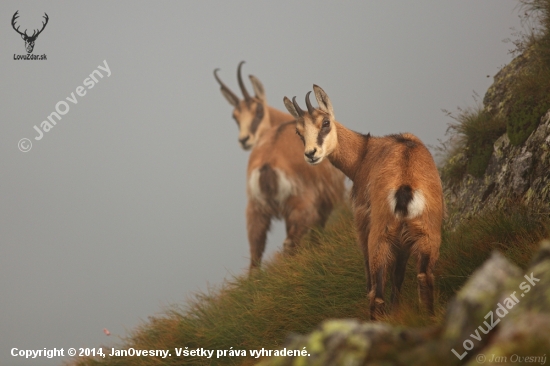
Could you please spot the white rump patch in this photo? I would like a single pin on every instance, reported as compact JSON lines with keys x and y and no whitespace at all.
{"x":392,"y":201}
{"x":254,"y":190}
{"x":414,"y":208}
{"x":417,"y":204}
{"x":285,"y":187}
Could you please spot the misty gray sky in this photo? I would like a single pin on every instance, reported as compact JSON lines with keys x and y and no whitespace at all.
{"x":135,"y":199}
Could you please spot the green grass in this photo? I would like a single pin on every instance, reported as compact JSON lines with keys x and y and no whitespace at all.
{"x":474,"y":132}
{"x":325,"y":279}
{"x":531,"y":92}
{"x":531,"y":102}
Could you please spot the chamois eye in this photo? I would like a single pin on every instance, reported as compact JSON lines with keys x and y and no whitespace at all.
{"x":300,"y":135}
{"x":326,"y":123}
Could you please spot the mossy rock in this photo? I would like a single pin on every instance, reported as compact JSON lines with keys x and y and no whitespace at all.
{"x":525,"y":115}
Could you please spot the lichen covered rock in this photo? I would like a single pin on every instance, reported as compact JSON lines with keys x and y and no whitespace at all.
{"x":515,"y":173}
{"x":500,"y":313}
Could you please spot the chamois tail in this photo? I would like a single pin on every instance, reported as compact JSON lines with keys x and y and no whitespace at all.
{"x":406,"y":203}
{"x":268,"y":181}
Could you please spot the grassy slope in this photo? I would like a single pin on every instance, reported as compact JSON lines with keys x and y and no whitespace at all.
{"x":324,"y":280}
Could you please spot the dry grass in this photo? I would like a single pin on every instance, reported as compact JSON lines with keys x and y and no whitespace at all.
{"x":324,"y":280}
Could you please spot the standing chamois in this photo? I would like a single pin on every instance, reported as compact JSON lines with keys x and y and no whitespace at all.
{"x":397,"y":197}
{"x":280,"y":184}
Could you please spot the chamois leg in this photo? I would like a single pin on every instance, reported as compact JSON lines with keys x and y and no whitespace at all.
{"x":376,"y":294}
{"x":299,"y":220}
{"x":427,"y":239}
{"x":380,"y":256}
{"x":364,"y":245}
{"x":257,"y":224}
{"x":401,"y":258}
{"x":425,"y":280}
{"x":323,"y":211}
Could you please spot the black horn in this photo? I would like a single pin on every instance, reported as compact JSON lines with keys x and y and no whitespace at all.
{"x":241,"y":84}
{"x":310,"y":108}
{"x":298,"y":109}
{"x":224,"y":87}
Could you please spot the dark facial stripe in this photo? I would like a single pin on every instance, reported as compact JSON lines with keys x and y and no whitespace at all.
{"x":322,"y":134}
{"x":257,"y":118}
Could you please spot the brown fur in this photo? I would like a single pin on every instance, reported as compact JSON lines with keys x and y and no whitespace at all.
{"x":310,"y":193}
{"x":379,"y":168}
{"x":313,"y":191}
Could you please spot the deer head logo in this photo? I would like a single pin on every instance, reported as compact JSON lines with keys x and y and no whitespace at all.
{"x":29,"y":40}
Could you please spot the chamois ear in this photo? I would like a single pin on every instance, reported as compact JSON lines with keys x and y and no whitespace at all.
{"x":290,"y":107}
{"x":234,"y":101}
{"x":324,"y":102}
{"x":226,"y":92}
{"x":258,"y":88}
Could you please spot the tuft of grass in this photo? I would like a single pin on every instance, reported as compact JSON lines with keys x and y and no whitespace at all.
{"x":474,"y":131}
{"x":531,"y":92}
{"x":532,"y":101}
{"x":514,"y":230}
{"x":325,"y":279}
{"x":473,"y":134}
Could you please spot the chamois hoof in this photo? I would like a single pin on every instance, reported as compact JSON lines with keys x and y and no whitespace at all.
{"x":289,"y":248}
{"x":253,"y":271}
{"x":377,"y":309}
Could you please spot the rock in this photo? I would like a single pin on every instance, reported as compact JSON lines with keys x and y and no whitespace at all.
{"x":514,"y":173}
{"x":525,"y":330}
{"x":476,"y":299}
{"x":497,"y":96}
{"x":510,"y":329}
{"x":338,"y":342}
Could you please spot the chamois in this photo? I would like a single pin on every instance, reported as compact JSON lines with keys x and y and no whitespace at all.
{"x":252,"y":114}
{"x":280,"y":184}
{"x":397,"y":197}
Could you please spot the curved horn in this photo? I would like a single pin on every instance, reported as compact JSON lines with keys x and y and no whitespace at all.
{"x":310,"y":108}
{"x":224,"y":87}
{"x":241,"y":84}
{"x":298,"y":109}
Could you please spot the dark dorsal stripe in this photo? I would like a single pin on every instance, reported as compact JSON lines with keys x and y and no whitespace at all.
{"x":257,"y":118}
{"x":403,"y":140}
{"x":409,"y":144}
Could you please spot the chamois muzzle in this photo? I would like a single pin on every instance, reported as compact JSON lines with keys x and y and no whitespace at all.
{"x":244,"y":141}
{"x":310,"y":157}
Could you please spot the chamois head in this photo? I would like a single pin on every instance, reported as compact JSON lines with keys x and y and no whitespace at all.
{"x":250,"y":113}
{"x":315,"y":127}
